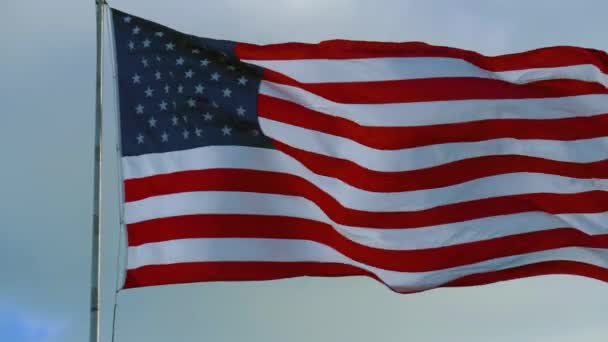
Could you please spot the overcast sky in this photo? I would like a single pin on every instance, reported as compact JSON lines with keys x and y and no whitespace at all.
{"x":47,"y":79}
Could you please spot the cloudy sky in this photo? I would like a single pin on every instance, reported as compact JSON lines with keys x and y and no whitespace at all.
{"x":47,"y":79}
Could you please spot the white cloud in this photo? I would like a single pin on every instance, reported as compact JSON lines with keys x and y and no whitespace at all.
{"x":18,"y":325}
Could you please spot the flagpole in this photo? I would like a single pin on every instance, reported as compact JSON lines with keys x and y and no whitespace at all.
{"x":94,"y":328}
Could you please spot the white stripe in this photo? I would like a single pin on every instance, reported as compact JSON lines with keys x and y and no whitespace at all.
{"x":582,"y":72}
{"x":580,"y":151}
{"x":355,"y":198}
{"x":208,"y":157}
{"x":271,"y":250}
{"x":442,"y":112}
{"x":407,"y":68}
{"x":247,"y":203}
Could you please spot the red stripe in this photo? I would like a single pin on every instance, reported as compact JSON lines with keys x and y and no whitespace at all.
{"x":421,"y":260}
{"x":154,"y":275}
{"x":533,"y":270}
{"x":285,"y":184}
{"x":230,"y":271}
{"x":439,"y":89}
{"x":387,"y":138}
{"x":344,"y":49}
{"x":441,"y":175}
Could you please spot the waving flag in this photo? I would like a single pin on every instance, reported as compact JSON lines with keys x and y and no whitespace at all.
{"x":418,"y":165}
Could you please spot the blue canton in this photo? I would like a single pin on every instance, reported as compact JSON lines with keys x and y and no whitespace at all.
{"x":178,"y":91}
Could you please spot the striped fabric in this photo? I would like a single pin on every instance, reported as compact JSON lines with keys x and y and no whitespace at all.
{"x":417,"y":165}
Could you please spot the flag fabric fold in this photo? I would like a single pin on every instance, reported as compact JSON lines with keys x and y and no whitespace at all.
{"x":420,"y":166}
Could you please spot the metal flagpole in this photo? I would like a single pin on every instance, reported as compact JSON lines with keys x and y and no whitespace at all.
{"x":94,"y":332}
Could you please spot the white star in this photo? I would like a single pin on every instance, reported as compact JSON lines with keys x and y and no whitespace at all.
{"x":152,"y":122}
{"x":163,"y":105}
{"x":149,"y":91}
{"x":136,"y":30}
{"x":165,"y":137}
{"x":131,"y":45}
{"x":127,"y":19}
{"x":242,"y":80}
{"x":175,"y":120}
{"x":240,"y":111}
{"x":208,"y":116}
{"x":204,"y":62}
{"x":159,"y":34}
{"x":226,"y":130}
{"x":179,"y":61}
{"x":170,"y":46}
{"x":174,"y":104}
{"x":140,"y":139}
{"x":186,"y":134}
{"x":158,"y":59}
{"x":215,"y":76}
{"x":255,"y":132}
{"x":185,"y":118}
{"x":196,"y":51}
{"x":139,"y":109}
{"x":227,"y":92}
{"x":189,"y":73}
{"x":146,"y":43}
{"x":144,"y":62}
{"x":191,"y":102}
{"x":180,"y":88}
{"x":199,"y":89}
{"x":158,"y":75}
{"x":198,"y":132}
{"x":214,"y":104}
{"x":167,"y":88}
{"x":231,"y":68}
{"x":136,"y":79}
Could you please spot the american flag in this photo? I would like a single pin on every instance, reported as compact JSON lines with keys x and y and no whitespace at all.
{"x":418,"y":165}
